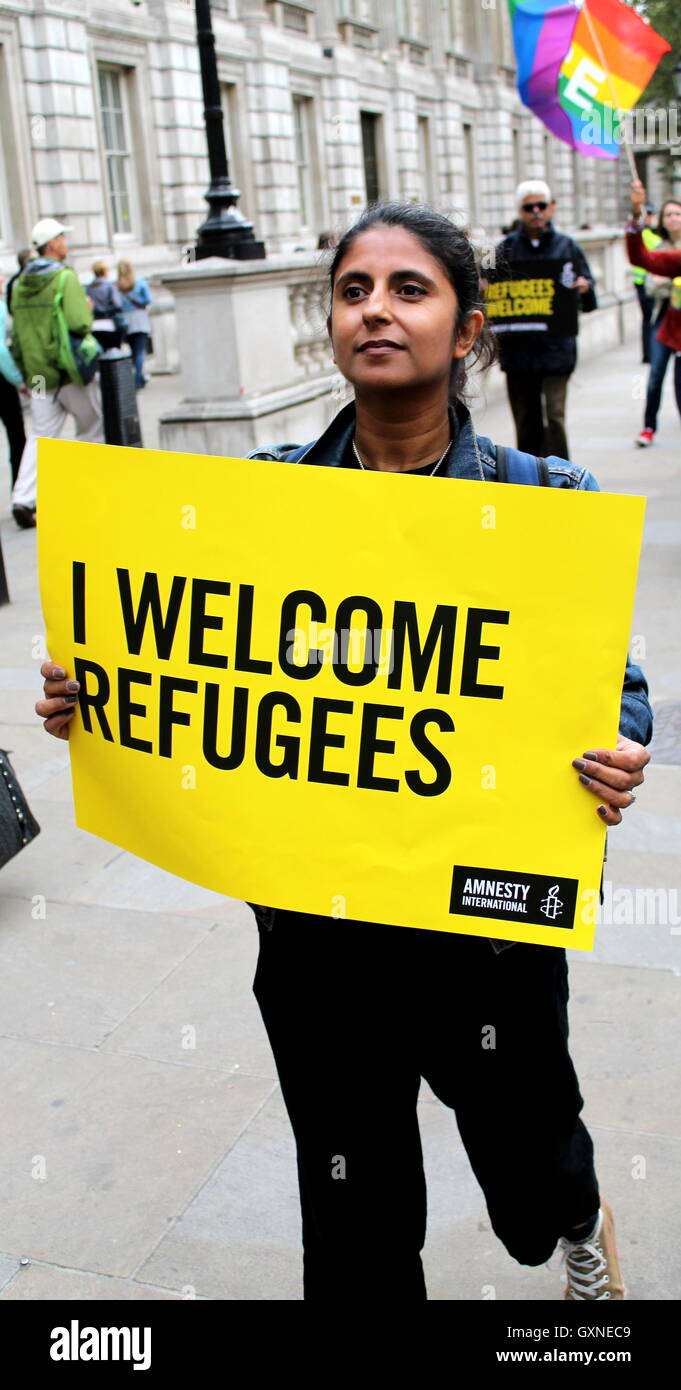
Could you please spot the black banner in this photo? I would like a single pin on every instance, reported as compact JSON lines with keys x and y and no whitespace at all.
{"x":535,"y":297}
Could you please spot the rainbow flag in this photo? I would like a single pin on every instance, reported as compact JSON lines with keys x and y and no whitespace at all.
{"x":581,"y":65}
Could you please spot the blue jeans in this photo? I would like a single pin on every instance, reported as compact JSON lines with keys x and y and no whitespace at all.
{"x":138,"y":344}
{"x":659,"y":361}
{"x":647,"y":304}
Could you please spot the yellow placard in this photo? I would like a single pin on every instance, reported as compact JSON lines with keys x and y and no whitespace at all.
{"x":347,"y":693}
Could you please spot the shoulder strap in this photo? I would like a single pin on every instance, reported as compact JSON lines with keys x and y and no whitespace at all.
{"x":297,"y":451}
{"x":521,"y":468}
{"x":60,"y":288}
{"x":502,"y":464}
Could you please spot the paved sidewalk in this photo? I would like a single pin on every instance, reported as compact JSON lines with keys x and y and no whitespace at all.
{"x":135,"y":1167}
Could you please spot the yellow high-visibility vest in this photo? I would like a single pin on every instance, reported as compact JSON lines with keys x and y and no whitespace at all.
{"x":650,"y":241}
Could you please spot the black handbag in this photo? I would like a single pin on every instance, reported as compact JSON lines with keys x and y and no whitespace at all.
{"x":17,"y":825}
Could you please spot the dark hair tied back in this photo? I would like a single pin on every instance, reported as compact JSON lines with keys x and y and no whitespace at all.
{"x":451,"y":246}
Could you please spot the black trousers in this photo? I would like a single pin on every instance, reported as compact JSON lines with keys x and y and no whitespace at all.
{"x":13,"y":420}
{"x":538,"y":405}
{"x":356,"y":1014}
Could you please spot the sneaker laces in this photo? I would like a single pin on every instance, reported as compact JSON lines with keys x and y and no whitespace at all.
{"x":586,"y":1268}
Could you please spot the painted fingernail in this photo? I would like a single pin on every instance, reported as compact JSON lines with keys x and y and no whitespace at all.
{"x":579,"y":764}
{"x":603,"y":811}
{"x":73,"y":685}
{"x":70,"y":699}
{"x":57,"y":673}
{"x":592,"y":757}
{"x":586,"y":781}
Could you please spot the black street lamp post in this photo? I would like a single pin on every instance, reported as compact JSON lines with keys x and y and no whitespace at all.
{"x":225,"y":232}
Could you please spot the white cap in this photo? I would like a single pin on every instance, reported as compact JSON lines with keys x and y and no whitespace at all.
{"x":46,"y":229}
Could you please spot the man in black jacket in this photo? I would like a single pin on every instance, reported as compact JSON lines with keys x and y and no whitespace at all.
{"x":539,"y":363}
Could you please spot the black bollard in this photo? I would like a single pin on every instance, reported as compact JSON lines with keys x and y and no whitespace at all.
{"x":119,"y":398}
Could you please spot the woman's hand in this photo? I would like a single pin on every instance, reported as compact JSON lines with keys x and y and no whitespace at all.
{"x":610,"y":775}
{"x":638,"y":197}
{"x":61,"y":694}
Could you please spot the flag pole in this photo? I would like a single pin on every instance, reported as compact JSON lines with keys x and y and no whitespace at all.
{"x":597,"y":44}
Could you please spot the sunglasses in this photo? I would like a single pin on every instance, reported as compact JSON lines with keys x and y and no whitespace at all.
{"x":530,"y":207}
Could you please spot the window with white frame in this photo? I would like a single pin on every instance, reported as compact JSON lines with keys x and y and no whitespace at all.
{"x":362,"y":11}
{"x":547,"y":159}
{"x":469,"y":27}
{"x":304,"y":143}
{"x":116,"y":148}
{"x":372,"y":134}
{"x":413,"y":19}
{"x":425,"y":159}
{"x":517,"y":140}
{"x":230,"y":112}
{"x":471,"y":171}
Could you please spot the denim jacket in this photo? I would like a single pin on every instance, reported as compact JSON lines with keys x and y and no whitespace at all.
{"x":472,"y":457}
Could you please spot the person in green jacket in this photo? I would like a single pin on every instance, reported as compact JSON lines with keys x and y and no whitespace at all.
{"x":34,"y":349}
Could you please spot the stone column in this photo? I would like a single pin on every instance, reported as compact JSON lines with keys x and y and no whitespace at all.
{"x":256,"y":368}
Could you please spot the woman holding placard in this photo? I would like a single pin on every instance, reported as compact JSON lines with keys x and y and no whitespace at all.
{"x":357,"y":1013}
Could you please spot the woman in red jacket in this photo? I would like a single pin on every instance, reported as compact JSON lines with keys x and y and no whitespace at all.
{"x":666,"y":263}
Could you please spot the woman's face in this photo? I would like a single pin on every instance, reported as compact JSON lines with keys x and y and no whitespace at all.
{"x":393,"y":313}
{"x":671,"y":219}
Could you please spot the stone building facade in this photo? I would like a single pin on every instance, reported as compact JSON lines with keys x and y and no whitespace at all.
{"x":326,"y":104}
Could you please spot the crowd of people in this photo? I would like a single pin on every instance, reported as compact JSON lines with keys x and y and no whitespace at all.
{"x":537,"y":364}
{"x":31,"y":371}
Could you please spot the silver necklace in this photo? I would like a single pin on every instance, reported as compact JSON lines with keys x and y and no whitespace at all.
{"x":428,"y":475}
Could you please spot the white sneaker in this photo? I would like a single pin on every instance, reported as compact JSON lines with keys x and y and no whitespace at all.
{"x":592,"y":1268}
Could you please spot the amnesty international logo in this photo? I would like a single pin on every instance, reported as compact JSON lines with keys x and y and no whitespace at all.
{"x":551,"y":905}
{"x":507,"y":895}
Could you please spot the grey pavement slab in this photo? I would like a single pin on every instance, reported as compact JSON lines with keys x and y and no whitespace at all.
{"x":626,"y":1023}
{"x":9,"y":1265}
{"x":74,"y":976}
{"x":640,"y":942}
{"x":648,"y":830}
{"x":240,"y":1237}
{"x":51,"y":1282}
{"x":204,"y":1013}
{"x":60,"y":859}
{"x":129,"y":882}
{"x":125,"y":1144}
